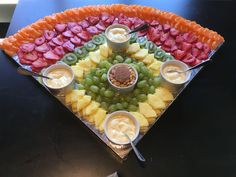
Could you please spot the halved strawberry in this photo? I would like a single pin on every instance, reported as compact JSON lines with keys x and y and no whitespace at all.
{"x":76,"y":29}
{"x":71,"y":24}
{"x":195,"y":52}
{"x":202,"y":56}
{"x":49,"y":34}
{"x":173,"y":48}
{"x":25,"y":62}
{"x":51,"y":55}
{"x":93,"y":30}
{"x":100,"y":26}
{"x":68,"y":46}
{"x":52,"y":44}
{"x":92,"y":20}
{"x":126,"y":22}
{"x":58,"y":40}
{"x":186,"y":46}
{"x":109,"y":21}
{"x":159,"y":27}
{"x":84,"y":35}
{"x":179,"y":39}
{"x":174,"y":32}
{"x":206,"y":48}
{"x":142,"y":33}
{"x":60,"y":27}
{"x":39,"y":64}
{"x":59,"y":51}
{"x":164,"y":37}
{"x":189,"y":59}
{"x":166,"y":27}
{"x":154,"y":23}
{"x":68,"y":34}
{"x":191,"y":38}
{"x":42,"y":48}
{"x":84,"y":24}
{"x":169,"y":42}
{"x":199,"y":45}
{"x":197,"y":62}
{"x":28,"y":47}
{"x":40,"y":40}
{"x":75,"y":40}
{"x":166,"y":48}
{"x":20,"y":53}
{"x":31,"y":56}
{"x":179,"y":54}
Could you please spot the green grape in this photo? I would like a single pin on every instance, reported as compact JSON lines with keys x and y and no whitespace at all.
{"x":104,"y":77}
{"x":128,"y":60}
{"x":115,"y":99}
{"x":136,"y":67}
{"x":119,"y":106}
{"x":108,"y":93}
{"x":134,"y":101}
{"x":94,"y":88}
{"x":156,"y":81}
{"x":119,"y":58}
{"x":80,"y":86}
{"x":125,"y":105}
{"x":108,"y":65}
{"x":140,"y":64}
{"x":145,"y":90}
{"x":142,"y":97}
{"x":136,"y":92}
{"x":102,"y":64}
{"x":150,"y":81}
{"x":88,"y":81}
{"x":98,"y":98}
{"x":96,"y":80}
{"x":90,"y":93}
{"x":151,"y":89}
{"x":104,"y":70}
{"x":144,"y":70}
{"x":92,"y":71}
{"x":132,"y":108}
{"x":142,"y":84}
{"x":99,"y":73}
{"x":115,"y":62}
{"x":101,"y":85}
{"x":102,"y":90}
{"x":112,"y":108}
{"x":128,"y":98}
{"x":140,"y":76}
{"x":104,"y":105}
{"x":107,"y":100}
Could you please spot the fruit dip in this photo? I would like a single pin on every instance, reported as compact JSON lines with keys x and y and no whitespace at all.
{"x":118,"y":125}
{"x":174,"y":77}
{"x":61,"y":77}
{"x":117,"y":35}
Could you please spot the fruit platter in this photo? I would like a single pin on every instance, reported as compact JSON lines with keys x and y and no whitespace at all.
{"x":116,"y":81}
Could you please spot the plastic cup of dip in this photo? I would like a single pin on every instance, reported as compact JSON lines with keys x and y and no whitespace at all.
{"x":173,"y":80}
{"x":118,"y":123}
{"x":62,"y":78}
{"x":117,"y":37}
{"x":119,"y":72}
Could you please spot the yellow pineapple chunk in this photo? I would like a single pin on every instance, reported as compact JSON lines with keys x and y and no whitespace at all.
{"x":68,"y":98}
{"x":109,"y":51}
{"x":156,"y":102}
{"x":146,"y":110}
{"x":158,"y":111}
{"x":99,"y":116}
{"x":164,"y":94}
{"x":86,"y":64}
{"x":155,"y":66}
{"x":83,"y":102}
{"x":78,"y":72}
{"x":91,"y":108}
{"x":149,"y":59}
{"x":76,"y":94}
{"x":95,"y":57}
{"x":104,"y":50}
{"x":101,"y":127}
{"x":151,"y":120}
{"x":141,"y":119}
{"x":141,"y":54}
{"x":74,"y":107}
{"x":133,"y":48}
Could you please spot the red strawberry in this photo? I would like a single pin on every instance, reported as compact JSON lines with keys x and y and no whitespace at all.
{"x":202,"y":56}
{"x":100,"y":26}
{"x":25,"y":62}
{"x":164,"y":37}
{"x":206,"y":48}
{"x":185,"y":36}
{"x":166,"y":48}
{"x":51,"y":55}
{"x":93,"y":30}
{"x":186,"y":46}
{"x":60,"y":27}
{"x":68,"y":34}
{"x":76,"y":40}
{"x":40,"y":55}
{"x":92,"y":20}
{"x":109,"y":21}
{"x":104,"y":16}
{"x":40,"y":40}
{"x":49,"y":34}
{"x":58,"y":40}
{"x":173,"y":48}
{"x":42,"y":48}
{"x":142,"y":33}
{"x":169,"y":42}
{"x":68,"y":46}
{"x":59,"y":51}
{"x":199,"y":45}
{"x":159,"y":27}
{"x":84,"y":35}
{"x":166,"y":27}
{"x":52,"y":44}
{"x":76,"y":29}
{"x":197,"y":62}
{"x":84,"y":24}
{"x":179,"y":39}
{"x":20,"y":54}
{"x":191,"y":38}
{"x":174,"y":32}
{"x":31,"y":56}
{"x":154,"y":23}
{"x":39,"y":64}
{"x":195,"y":52}
{"x":158,"y":43}
{"x":154,"y":37}
{"x":179,"y":54}
{"x":189,"y":59}
{"x":28,"y":47}
{"x":71,"y":24}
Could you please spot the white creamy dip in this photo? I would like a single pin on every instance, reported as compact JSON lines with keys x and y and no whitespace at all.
{"x":117,"y":35}
{"x":174,"y":77}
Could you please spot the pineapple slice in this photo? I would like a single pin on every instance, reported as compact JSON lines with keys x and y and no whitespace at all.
{"x":104,"y":50}
{"x":149,"y":59}
{"x":101,"y":127}
{"x":91,"y":108}
{"x":164,"y":94}
{"x":151,"y":120}
{"x":99,"y":116}
{"x":76,"y":94}
{"x":95,"y":57}
{"x":156,"y":102}
{"x":133,"y":48}
{"x":141,"y":119}
{"x":146,"y":110}
{"x":78,"y":72}
{"x":158,"y":112}
{"x":86,"y":64}
{"x":155,"y":66}
{"x":83,"y":102}
{"x":109,"y":51}
{"x":68,"y":98}
{"x":141,"y":54}
{"x":74,"y":107}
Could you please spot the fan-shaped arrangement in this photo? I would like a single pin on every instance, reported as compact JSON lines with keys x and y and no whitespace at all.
{"x":76,"y":38}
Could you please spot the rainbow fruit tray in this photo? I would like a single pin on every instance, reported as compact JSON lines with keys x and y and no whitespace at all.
{"x":76,"y":38}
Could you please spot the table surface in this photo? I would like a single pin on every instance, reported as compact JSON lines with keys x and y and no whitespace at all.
{"x":195,"y":137}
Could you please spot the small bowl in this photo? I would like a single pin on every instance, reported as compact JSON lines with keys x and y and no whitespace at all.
{"x":122,"y":89}
{"x":60,"y":90}
{"x":116,"y":113}
{"x":117,"y":46}
{"x":171,"y":85}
